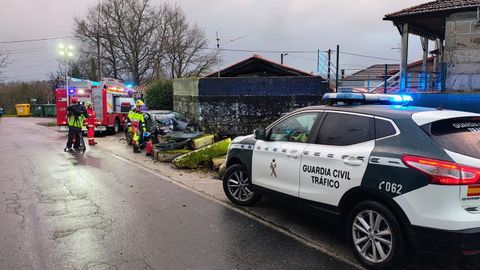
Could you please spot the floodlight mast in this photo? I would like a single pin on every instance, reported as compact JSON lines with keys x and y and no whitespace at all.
{"x":66,"y":51}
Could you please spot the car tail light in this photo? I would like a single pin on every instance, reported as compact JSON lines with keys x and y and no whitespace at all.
{"x":443,"y":172}
{"x":470,"y":252}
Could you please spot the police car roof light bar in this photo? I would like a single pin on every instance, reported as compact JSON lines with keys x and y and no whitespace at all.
{"x":360,"y":98}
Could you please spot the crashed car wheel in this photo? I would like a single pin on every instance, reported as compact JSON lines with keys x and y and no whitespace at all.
{"x":237,"y":186}
{"x":128,"y":137}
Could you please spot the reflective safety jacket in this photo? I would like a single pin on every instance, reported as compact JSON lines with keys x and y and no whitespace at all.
{"x":76,"y":115}
{"x":136,"y":115}
{"x":91,"y":117}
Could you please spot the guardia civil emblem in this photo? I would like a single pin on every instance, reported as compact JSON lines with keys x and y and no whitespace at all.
{"x":273,"y":166}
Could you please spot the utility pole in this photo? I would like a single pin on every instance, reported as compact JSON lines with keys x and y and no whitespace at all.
{"x":218,"y":54}
{"x":218,"y":48}
{"x":282,"y":55}
{"x":338,"y":61}
{"x":318,"y":62}
{"x":99,"y":53}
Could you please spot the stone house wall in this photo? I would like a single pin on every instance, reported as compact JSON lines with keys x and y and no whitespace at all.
{"x":462,"y":52}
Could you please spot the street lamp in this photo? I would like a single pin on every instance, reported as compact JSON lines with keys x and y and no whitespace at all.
{"x":66,"y":52}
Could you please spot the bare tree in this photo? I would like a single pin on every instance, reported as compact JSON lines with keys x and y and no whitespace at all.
{"x":140,"y":42}
{"x":133,"y":25}
{"x":3,"y":63}
{"x":185,"y":45}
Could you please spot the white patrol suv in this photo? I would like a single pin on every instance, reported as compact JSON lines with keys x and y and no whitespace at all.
{"x":395,"y":175}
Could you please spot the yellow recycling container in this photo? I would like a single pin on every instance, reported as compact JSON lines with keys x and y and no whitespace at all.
{"x":23,"y":109}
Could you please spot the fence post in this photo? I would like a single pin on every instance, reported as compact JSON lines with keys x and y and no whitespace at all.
{"x":443,"y":77}
{"x":386,"y":79}
{"x":336,"y":74}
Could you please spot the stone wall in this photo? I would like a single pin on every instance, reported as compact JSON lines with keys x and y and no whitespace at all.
{"x":462,"y":52}
{"x":237,"y":106}
{"x":234,"y":116}
{"x":185,"y":97}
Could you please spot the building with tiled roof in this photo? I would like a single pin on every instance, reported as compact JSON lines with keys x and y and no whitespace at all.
{"x":373,"y":72}
{"x":436,"y":7}
{"x":454,"y":25}
{"x":257,"y":66}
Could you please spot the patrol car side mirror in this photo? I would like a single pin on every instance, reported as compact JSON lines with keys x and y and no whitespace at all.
{"x":260,"y":134}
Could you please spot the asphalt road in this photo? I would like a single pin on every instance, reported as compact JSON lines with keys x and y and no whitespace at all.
{"x":96,"y":211}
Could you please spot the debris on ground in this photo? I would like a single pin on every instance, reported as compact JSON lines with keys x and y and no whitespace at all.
{"x":202,"y":141}
{"x":222,"y":170}
{"x":199,"y":157}
{"x":218,"y":161}
{"x":170,"y":155}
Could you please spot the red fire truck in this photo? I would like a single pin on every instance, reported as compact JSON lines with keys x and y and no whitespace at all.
{"x":110,"y":98}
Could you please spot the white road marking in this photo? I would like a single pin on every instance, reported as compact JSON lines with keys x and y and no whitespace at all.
{"x":242,"y":211}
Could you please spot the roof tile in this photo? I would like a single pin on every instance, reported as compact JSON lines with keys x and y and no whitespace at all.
{"x":435,"y":6}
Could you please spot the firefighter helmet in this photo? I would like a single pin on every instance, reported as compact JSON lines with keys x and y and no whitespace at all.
{"x":74,"y":100}
{"x":139,"y":103}
{"x":89,"y":104}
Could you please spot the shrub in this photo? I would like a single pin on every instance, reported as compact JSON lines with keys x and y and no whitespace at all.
{"x":159,"y":95}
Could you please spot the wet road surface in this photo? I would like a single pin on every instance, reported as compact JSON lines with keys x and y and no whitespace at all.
{"x":96,"y":211}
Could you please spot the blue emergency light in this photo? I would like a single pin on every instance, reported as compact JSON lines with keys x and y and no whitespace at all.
{"x":360,"y":98}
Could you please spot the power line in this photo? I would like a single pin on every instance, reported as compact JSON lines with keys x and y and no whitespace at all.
{"x":31,"y":66}
{"x":368,"y":56}
{"x":34,"y":40}
{"x":17,"y":50}
{"x":26,"y":50}
{"x":303,"y":52}
{"x":25,"y":75}
{"x":353,"y":63}
{"x":228,"y":50}
{"x":303,"y":58}
{"x":260,"y":51}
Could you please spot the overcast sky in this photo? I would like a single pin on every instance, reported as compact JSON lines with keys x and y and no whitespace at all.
{"x":305,"y":25}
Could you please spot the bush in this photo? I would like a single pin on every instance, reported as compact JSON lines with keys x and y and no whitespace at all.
{"x":22,"y":92}
{"x":159,"y":95}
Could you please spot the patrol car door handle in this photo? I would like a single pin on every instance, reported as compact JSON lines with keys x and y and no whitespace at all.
{"x":293,"y":155}
{"x":353,"y":161}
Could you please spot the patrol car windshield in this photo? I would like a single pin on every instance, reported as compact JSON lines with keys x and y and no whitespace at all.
{"x":460,"y":135}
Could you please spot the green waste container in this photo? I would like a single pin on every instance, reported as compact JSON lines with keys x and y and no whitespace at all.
{"x":50,"y":110}
{"x":23,"y":109}
{"x":37,"y":110}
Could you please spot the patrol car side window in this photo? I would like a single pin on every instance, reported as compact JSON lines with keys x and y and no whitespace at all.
{"x":383,"y":128}
{"x":345,"y":129}
{"x":294,"y":129}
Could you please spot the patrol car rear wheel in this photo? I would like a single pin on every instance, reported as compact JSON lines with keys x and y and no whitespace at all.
{"x":237,"y":186}
{"x":375,"y":236}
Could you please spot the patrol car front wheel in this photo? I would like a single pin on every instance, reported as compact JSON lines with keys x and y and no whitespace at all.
{"x":375,"y":236}
{"x":237,"y":186}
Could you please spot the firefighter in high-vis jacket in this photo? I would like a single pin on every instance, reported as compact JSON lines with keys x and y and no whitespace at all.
{"x":76,"y":114}
{"x":136,"y":125}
